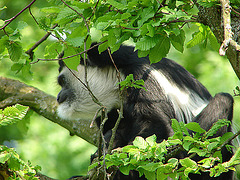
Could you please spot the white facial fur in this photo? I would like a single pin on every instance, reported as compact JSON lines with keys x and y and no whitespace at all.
{"x":102,"y":82}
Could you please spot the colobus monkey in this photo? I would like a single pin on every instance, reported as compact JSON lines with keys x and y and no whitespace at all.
{"x":171,"y":93}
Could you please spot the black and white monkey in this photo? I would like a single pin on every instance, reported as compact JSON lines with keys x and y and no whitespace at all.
{"x":171,"y":93}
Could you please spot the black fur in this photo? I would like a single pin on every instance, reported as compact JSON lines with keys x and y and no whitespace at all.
{"x":150,"y":112}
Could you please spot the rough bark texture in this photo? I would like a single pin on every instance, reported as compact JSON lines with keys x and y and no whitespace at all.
{"x":213,"y":18}
{"x":13,"y":91}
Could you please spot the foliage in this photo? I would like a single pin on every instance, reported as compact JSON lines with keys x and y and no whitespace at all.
{"x":12,"y":114}
{"x":130,"y":82}
{"x":157,"y":160}
{"x":154,"y":27}
{"x":9,"y":159}
{"x":16,"y":167}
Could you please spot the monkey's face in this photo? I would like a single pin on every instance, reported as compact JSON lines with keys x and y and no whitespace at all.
{"x":75,"y":99}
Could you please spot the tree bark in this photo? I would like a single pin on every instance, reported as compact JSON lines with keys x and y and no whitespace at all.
{"x":13,"y":92}
{"x":213,"y":18}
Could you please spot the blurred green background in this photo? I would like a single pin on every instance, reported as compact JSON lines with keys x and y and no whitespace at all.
{"x":49,"y":145}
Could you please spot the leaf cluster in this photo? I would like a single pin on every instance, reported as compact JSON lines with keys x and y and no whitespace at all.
{"x":9,"y":160}
{"x":130,"y":82}
{"x":159,"y":160}
{"x":13,"y":114}
{"x":153,"y":26}
{"x":16,"y":167}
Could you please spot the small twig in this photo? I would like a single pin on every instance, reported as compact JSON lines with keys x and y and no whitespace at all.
{"x":120,"y":113}
{"x":94,"y":10}
{"x":235,"y":11}
{"x":69,"y":56}
{"x":229,"y":140}
{"x":89,"y":90}
{"x":30,"y":51}
{"x":95,"y":116}
{"x":128,"y":28}
{"x":114,"y":130}
{"x":184,"y":21}
{"x":30,"y":12}
{"x":14,"y":17}
{"x":118,"y":72}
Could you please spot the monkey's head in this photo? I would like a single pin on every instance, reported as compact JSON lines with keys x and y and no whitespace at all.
{"x":75,"y":100}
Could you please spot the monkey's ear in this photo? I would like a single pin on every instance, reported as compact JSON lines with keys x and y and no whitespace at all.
{"x":60,"y":62}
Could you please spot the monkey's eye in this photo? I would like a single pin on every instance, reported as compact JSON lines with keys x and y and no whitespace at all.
{"x":61,"y":80}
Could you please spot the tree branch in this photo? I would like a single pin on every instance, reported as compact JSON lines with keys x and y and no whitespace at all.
{"x":226,"y":10}
{"x":14,"y":17}
{"x":212,"y":17}
{"x":13,"y":91}
{"x":44,"y":38}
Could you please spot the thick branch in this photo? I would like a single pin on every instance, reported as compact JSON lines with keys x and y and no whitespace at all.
{"x":13,"y":91}
{"x":226,"y":16}
{"x":213,"y":18}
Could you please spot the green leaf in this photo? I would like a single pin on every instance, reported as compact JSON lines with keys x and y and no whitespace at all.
{"x":187,"y":162}
{"x":200,"y":152}
{"x":66,"y":15}
{"x":142,"y":53}
{"x":146,"y":14}
{"x":102,"y":47}
{"x":140,"y":143}
{"x":212,"y":146}
{"x":82,"y":5}
{"x":150,"y":175}
{"x":53,"y":50}
{"x":178,"y":40}
{"x":175,"y":125}
{"x":12,"y":114}
{"x":15,"y":50}
{"x":225,"y":137}
{"x":14,"y":163}
{"x":197,"y":39}
{"x":72,"y":62}
{"x":3,"y":43}
{"x":4,"y":157}
{"x":2,"y":22}
{"x":147,"y":42}
{"x":151,"y":140}
{"x":161,"y":175}
{"x":125,"y":169}
{"x":77,"y":36}
{"x":51,"y":9}
{"x":160,"y":50}
{"x":193,"y":126}
{"x":93,"y":165}
{"x":2,"y":8}
{"x":26,"y":71}
{"x":186,"y":145}
{"x":117,"y":5}
{"x":16,"y":67}
{"x":111,"y":38}
{"x":216,"y":126}
{"x":21,"y":25}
